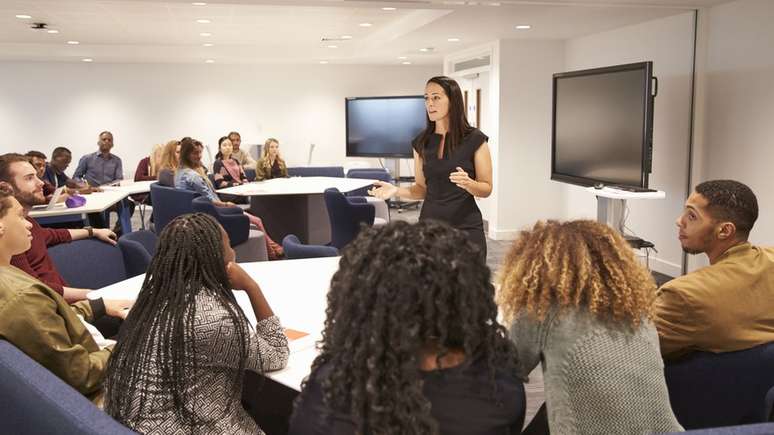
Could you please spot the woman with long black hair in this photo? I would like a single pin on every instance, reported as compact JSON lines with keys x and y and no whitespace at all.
{"x":179,"y":362}
{"x":411,"y":343}
{"x":452,"y":164}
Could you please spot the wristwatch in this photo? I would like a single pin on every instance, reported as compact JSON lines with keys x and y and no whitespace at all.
{"x":90,"y":230}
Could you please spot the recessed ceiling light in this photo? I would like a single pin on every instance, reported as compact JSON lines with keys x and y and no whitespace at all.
{"x":406,"y":63}
{"x":52,"y":31}
{"x":199,"y":4}
{"x":209,"y":44}
{"x":426,"y":49}
{"x":323,"y":62}
{"x":453,"y":39}
{"x":346,"y":36}
{"x":88,"y":59}
{"x":333,"y":46}
{"x":209,"y":61}
{"x":203,"y":21}
{"x":23,"y":17}
{"x":205,"y":34}
{"x":402,"y":57}
{"x":388,"y":8}
{"x":494,"y":3}
{"x":365,"y":24}
{"x":523,"y":27}
{"x":73,"y":42}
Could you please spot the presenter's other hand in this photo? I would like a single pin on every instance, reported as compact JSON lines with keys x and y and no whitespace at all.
{"x":383,"y":190}
{"x":461,"y":179}
{"x":105,"y":235}
{"x":117,"y":307}
{"x":237,"y":276}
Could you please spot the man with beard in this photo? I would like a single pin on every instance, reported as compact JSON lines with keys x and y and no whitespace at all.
{"x":728,"y":305}
{"x":16,"y":170}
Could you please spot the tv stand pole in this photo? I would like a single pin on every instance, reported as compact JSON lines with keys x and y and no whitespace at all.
{"x":397,"y":202}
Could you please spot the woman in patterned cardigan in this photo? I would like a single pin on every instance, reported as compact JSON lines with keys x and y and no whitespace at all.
{"x":179,"y":363}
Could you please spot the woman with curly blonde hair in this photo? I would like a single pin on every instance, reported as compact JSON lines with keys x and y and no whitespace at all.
{"x":578,"y":301}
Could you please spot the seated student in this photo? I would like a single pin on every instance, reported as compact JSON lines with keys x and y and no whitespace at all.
{"x":226,"y":170}
{"x":170,"y":160}
{"x":240,"y":155}
{"x":148,"y":170}
{"x":411,"y":343}
{"x":38,"y":161}
{"x":728,"y":305}
{"x":101,"y":167}
{"x":190,"y":175}
{"x":271,"y":165}
{"x":36,"y":319}
{"x":580,"y":304}
{"x":178,"y":366}
{"x":55,"y":171}
{"x":16,"y":170}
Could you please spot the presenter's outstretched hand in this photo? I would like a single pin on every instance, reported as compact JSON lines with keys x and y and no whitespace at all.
{"x":461,"y":179}
{"x":383,"y":190}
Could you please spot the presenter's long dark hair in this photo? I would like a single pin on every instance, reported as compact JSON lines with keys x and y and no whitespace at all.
{"x":399,"y":289}
{"x":458,"y":122}
{"x":158,"y":339}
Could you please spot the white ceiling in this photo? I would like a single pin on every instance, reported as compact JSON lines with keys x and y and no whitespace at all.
{"x":276,"y":31}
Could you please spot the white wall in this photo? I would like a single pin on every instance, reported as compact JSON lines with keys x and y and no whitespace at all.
{"x":739,"y":116}
{"x":523,"y":190}
{"x":668,"y":42}
{"x":44,"y":105}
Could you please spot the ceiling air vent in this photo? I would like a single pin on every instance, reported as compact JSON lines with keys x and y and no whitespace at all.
{"x":475,"y":62}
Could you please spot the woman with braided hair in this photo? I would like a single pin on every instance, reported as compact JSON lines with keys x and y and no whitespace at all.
{"x":411,"y":343}
{"x":179,"y":363}
{"x":579,"y":302}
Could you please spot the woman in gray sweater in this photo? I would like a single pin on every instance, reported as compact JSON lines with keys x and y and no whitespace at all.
{"x":580,"y":304}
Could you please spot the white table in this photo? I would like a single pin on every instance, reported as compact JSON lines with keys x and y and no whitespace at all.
{"x":295,"y":205}
{"x":297,"y":292}
{"x":129,"y":187}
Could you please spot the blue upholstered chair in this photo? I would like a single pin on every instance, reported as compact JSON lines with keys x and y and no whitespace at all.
{"x":169,"y":203}
{"x":138,"y":248}
{"x":250,"y":174}
{"x":724,"y":389}
{"x":294,"y":249}
{"x":88,"y":263}
{"x":747,"y":429}
{"x":316,"y":171}
{"x":249,"y":243}
{"x":35,"y":401}
{"x":369,"y":174}
{"x":346,"y":216}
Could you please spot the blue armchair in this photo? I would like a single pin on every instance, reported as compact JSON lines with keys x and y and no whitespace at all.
{"x":169,"y":203}
{"x":369,"y":174}
{"x":138,"y":248}
{"x":294,"y":249}
{"x":35,"y":401}
{"x":249,"y":244}
{"x":88,"y":263}
{"x":724,"y":389}
{"x":346,"y":216}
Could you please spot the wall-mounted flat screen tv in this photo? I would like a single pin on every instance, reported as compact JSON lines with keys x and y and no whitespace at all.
{"x":603,"y":126}
{"x":383,"y":126}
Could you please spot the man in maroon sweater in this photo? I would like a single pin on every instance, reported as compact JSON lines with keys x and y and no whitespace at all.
{"x":28,"y":190}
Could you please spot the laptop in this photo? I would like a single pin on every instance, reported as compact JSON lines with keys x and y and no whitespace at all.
{"x":54,"y":200}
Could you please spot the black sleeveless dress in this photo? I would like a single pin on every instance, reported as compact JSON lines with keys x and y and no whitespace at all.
{"x":446,"y":202}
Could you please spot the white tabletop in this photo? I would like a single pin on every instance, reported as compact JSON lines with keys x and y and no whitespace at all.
{"x":130,"y":187}
{"x":297,"y":292}
{"x":609,"y":192}
{"x":297,"y":186}
{"x":95,"y":202}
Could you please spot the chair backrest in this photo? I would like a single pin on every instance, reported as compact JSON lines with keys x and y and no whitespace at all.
{"x":250,"y":174}
{"x":237,"y":225}
{"x":169,"y":203}
{"x":346,"y":217}
{"x":724,"y":389}
{"x":88,"y":263}
{"x":294,"y":249}
{"x":35,"y":401}
{"x":138,"y":248}
{"x":369,"y":174}
{"x":747,"y":429}
{"x":316,"y":171}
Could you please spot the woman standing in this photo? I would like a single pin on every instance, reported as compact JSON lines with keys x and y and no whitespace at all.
{"x":179,"y":363}
{"x":271,"y":165}
{"x":452,"y":164}
{"x":580,"y":304}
